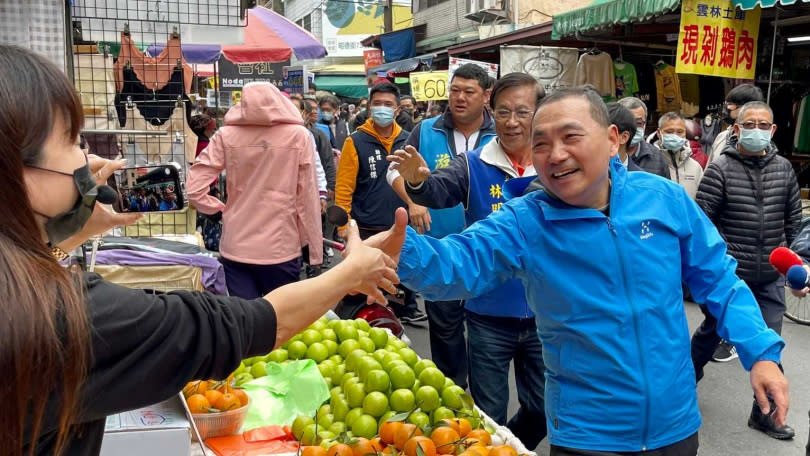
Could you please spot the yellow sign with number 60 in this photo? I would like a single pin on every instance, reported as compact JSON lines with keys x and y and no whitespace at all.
{"x":429,"y":85}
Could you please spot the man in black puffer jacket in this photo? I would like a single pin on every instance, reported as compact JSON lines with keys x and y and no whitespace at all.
{"x":752,"y":196}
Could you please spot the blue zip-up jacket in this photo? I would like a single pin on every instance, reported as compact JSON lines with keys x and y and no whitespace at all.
{"x":476,"y":180}
{"x":606,"y":292}
{"x":433,"y":138}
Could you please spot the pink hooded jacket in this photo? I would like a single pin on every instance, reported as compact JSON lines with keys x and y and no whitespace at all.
{"x":273,"y":208}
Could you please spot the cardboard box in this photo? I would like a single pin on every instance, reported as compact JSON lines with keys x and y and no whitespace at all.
{"x":157,"y":430}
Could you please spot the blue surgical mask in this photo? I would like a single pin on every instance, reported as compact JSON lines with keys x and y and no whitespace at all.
{"x":382,"y":115}
{"x":755,"y":140}
{"x":635,"y":140}
{"x":327,"y":116}
{"x":672,"y":142}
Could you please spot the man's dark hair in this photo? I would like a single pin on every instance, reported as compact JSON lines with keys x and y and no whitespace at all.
{"x":597,"y":105}
{"x":620,"y":116}
{"x":329,"y":99}
{"x":313,"y":86}
{"x":384,"y":87}
{"x":516,"y":80}
{"x":744,"y":93}
{"x":473,"y":71}
{"x":408,"y":97}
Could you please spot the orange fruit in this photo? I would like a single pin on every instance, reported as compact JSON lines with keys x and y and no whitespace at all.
{"x":427,"y":446}
{"x":478,"y":450}
{"x":195,"y":387}
{"x":340,"y":449}
{"x":451,"y":423}
{"x":387,"y":431}
{"x":390,"y":450}
{"x":228,"y":401}
{"x":242,"y":395}
{"x":464,"y":426}
{"x":503,"y":450}
{"x":197,"y":403}
{"x":313,"y":451}
{"x":479,"y":435}
{"x":404,"y":433}
{"x":467,"y":453}
{"x":376,"y":444}
{"x":213,"y":396}
{"x":445,"y":439}
{"x":362,"y":446}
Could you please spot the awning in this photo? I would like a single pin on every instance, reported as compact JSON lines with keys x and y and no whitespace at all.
{"x":605,"y":13}
{"x":535,"y":32}
{"x":750,"y":4}
{"x":401,"y":66}
{"x":345,"y":69}
{"x":447,"y":40}
{"x":344,"y":86}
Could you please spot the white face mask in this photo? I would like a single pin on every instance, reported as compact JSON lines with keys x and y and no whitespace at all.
{"x":637,"y":138}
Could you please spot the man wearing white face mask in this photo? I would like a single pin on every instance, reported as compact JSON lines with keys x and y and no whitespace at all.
{"x":751,"y":195}
{"x":683,"y":169}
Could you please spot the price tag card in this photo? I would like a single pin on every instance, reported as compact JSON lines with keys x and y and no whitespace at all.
{"x":429,"y":85}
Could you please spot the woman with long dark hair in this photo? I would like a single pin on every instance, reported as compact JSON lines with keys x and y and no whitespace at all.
{"x":74,"y":348}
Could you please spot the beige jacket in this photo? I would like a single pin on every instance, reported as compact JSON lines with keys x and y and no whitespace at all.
{"x":683,"y":169}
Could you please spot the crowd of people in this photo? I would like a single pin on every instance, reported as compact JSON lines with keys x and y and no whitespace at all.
{"x":496,"y":210}
{"x":453,"y":174}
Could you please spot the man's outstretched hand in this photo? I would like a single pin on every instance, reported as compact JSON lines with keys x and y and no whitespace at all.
{"x":391,"y":241}
{"x":411,"y":166}
{"x":767,"y":380}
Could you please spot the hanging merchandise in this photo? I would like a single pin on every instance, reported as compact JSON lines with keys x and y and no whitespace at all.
{"x":646,"y":86}
{"x":179,"y":145}
{"x":690,"y":92}
{"x":668,"y":87}
{"x":95,"y":83}
{"x":155,"y":105}
{"x":596,"y":68}
{"x":801,"y":141}
{"x":155,"y":72}
{"x":553,"y":67}
{"x":626,"y":79}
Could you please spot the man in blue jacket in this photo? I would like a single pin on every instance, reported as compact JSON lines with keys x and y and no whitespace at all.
{"x":500,"y":325}
{"x":464,"y":127}
{"x":602,"y":254}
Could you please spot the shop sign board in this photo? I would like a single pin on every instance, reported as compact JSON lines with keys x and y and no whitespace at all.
{"x":372,"y":58}
{"x":429,"y":85}
{"x":717,"y":39}
{"x":455,"y":62}
{"x":293,"y":80}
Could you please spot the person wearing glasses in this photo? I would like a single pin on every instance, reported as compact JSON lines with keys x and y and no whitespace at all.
{"x":751,"y":195}
{"x":500,"y":324}
{"x":642,"y":153}
{"x":736,"y":98}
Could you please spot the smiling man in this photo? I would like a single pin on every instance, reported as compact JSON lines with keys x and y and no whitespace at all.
{"x":602,"y":254}
{"x":500,"y":325}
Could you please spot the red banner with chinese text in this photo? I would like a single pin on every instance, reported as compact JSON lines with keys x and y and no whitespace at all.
{"x":717,"y":39}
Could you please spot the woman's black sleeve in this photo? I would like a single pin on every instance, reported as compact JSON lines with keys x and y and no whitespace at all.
{"x":146,"y":347}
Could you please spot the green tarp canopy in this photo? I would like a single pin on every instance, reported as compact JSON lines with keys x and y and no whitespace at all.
{"x":606,"y":13}
{"x":343,"y":86}
{"x":750,"y":4}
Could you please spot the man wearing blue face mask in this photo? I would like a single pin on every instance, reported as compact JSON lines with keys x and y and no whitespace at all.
{"x":751,"y":195}
{"x":361,"y":188}
{"x":683,"y":169}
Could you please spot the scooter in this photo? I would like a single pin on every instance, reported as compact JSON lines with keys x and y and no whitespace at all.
{"x":351,"y":307}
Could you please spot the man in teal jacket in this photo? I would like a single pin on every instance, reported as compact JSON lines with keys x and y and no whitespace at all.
{"x":602,"y":254}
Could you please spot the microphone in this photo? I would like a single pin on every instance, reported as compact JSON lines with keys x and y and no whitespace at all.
{"x":106,"y":195}
{"x":797,"y":277}
{"x":336,"y":215}
{"x":782,"y":258}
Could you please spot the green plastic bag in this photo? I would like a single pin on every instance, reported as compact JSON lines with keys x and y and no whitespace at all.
{"x":289,"y":390}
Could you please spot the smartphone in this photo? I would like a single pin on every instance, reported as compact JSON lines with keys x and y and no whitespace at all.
{"x":149,"y":189}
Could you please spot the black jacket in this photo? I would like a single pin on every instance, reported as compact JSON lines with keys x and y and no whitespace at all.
{"x":326,"y":155}
{"x":147,"y":347}
{"x":650,"y":159}
{"x":755,"y":204}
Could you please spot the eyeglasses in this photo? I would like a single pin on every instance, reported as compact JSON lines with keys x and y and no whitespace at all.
{"x":506,"y":114}
{"x":640,"y":122}
{"x":751,"y":125}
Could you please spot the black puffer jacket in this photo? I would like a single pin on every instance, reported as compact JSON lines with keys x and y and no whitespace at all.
{"x":754,"y":202}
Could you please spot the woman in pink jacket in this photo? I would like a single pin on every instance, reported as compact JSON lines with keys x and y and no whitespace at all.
{"x":273,"y":209}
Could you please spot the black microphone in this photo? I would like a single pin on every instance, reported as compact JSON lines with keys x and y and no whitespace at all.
{"x":106,"y":195}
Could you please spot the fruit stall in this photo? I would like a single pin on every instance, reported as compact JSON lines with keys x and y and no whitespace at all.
{"x":341,"y":388}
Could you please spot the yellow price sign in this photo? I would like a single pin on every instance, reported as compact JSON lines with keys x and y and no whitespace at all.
{"x":429,"y":85}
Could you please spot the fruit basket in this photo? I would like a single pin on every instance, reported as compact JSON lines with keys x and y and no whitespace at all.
{"x":221,"y":423}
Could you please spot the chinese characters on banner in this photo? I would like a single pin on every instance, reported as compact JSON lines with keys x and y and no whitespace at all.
{"x":372,"y":58}
{"x":717,"y":39}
